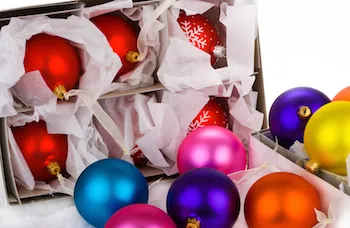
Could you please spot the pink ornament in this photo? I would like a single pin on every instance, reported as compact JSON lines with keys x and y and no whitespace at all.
{"x":212,"y":147}
{"x":140,"y":216}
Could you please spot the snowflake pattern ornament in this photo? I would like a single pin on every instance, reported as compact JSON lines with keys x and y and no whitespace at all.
{"x":211,"y":114}
{"x":202,"y":34}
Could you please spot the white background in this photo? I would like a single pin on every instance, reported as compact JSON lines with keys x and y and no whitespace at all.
{"x":303,"y":42}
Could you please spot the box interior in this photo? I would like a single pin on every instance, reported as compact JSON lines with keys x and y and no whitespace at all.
{"x":17,"y":194}
{"x":336,"y":181}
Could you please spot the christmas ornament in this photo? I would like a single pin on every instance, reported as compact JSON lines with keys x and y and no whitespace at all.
{"x":138,"y":157}
{"x":56,"y":59}
{"x":140,"y":216}
{"x":45,"y":153}
{"x":343,"y":95}
{"x":122,"y":38}
{"x":212,"y":147}
{"x":211,"y":114}
{"x":203,"y":198}
{"x":202,"y":34}
{"x":281,"y":200}
{"x":326,"y":138}
{"x":106,"y":186}
{"x":291,"y":111}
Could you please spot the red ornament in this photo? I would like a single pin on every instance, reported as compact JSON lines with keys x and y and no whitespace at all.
{"x":122,"y":38}
{"x":211,"y":114}
{"x":45,"y":153}
{"x":139,"y":158}
{"x":56,"y":59}
{"x":202,"y":34}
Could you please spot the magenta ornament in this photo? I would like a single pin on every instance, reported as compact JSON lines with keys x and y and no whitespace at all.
{"x":140,"y":216}
{"x":212,"y":147}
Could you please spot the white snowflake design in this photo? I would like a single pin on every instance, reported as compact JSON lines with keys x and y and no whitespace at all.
{"x":194,"y":125}
{"x":194,"y":33}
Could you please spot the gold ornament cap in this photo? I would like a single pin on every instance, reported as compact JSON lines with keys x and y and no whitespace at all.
{"x":312,"y":166}
{"x":54,"y":168}
{"x":193,"y":223}
{"x":59,"y":91}
{"x":304,"y":112}
{"x":132,"y":56}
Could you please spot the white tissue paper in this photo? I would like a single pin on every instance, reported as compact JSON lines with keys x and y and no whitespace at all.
{"x":81,"y":153}
{"x":187,"y":68}
{"x":99,"y":64}
{"x":148,"y":45}
{"x":240,"y":47}
{"x":299,"y":149}
{"x":156,"y":128}
{"x":131,"y":115}
{"x":244,"y":180}
{"x":171,"y":118}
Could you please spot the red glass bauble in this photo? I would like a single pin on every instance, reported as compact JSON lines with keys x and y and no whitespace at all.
{"x":139,"y":158}
{"x":41,"y":149}
{"x":282,"y":200}
{"x":211,"y":114}
{"x":121,"y":37}
{"x":57,"y":60}
{"x":200,"y":32}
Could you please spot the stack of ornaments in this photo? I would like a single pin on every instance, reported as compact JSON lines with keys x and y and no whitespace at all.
{"x":57,"y":68}
{"x":198,"y":126}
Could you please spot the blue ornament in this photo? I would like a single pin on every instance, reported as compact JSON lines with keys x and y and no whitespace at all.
{"x":204,"y":198}
{"x":107,"y":186}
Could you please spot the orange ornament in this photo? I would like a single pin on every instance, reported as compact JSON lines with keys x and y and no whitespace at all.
{"x":343,"y":95}
{"x":281,"y":200}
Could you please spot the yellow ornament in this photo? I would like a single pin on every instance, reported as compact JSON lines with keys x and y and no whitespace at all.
{"x":327,"y":138}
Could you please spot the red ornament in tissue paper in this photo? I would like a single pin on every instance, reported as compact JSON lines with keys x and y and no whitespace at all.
{"x":139,"y":158}
{"x":57,"y":60}
{"x":41,"y":149}
{"x":122,"y":38}
{"x":212,"y":114}
{"x":201,"y":33}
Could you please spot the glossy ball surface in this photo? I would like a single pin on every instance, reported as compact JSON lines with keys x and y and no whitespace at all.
{"x":326,"y":137}
{"x":212,"y":147}
{"x":39,"y":149}
{"x":56,"y":58}
{"x":284,"y":119}
{"x":281,"y":200}
{"x":105,"y":187}
{"x":140,"y":216}
{"x":211,"y":114}
{"x":121,"y":36}
{"x":206,"y":195}
{"x":200,"y":32}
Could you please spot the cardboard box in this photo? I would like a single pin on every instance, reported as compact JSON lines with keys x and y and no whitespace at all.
{"x":10,"y":193}
{"x":263,"y":149}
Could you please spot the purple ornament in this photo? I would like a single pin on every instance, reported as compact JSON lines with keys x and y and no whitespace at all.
{"x":291,"y":111}
{"x":140,"y":216}
{"x":204,"y":198}
{"x":212,"y":147}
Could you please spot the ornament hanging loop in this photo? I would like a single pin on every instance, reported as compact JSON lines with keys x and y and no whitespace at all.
{"x":219,"y":51}
{"x":54,"y":168}
{"x":304,"y":112}
{"x":193,"y":223}
{"x":132,"y":56}
{"x":60,"y":91}
{"x":312,"y":166}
